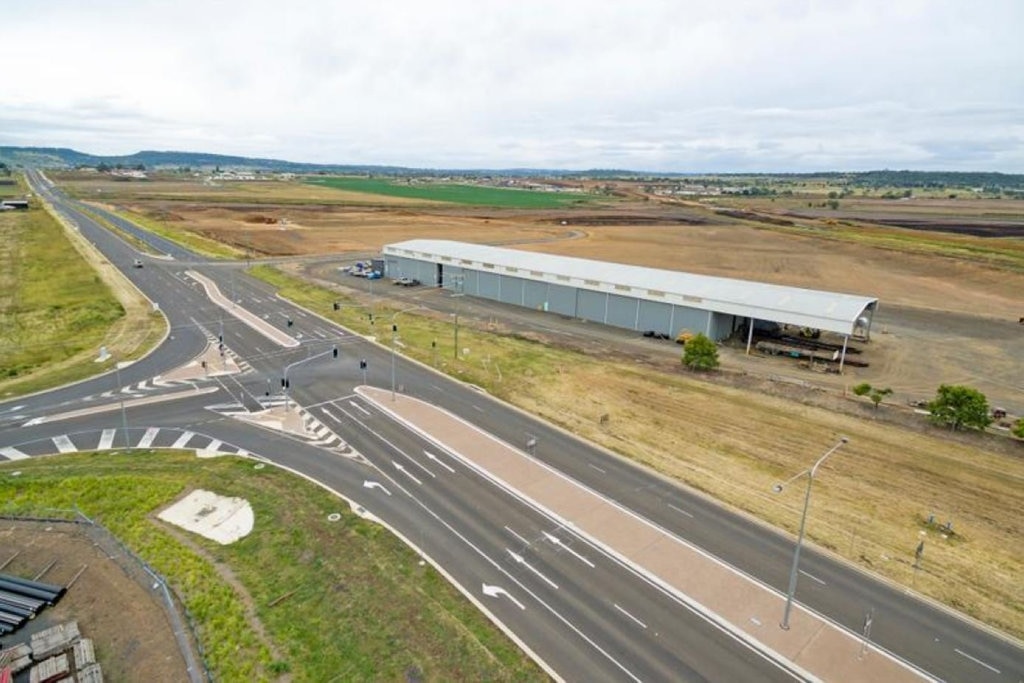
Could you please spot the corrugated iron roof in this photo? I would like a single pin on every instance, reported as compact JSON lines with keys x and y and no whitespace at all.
{"x":832,"y":311}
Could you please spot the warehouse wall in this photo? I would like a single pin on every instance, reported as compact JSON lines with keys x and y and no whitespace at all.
{"x":610,"y":309}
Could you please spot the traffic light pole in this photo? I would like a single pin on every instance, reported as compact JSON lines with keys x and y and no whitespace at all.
{"x":285,"y":385}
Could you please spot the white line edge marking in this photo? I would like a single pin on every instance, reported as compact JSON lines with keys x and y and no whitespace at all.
{"x":597,"y":468}
{"x":521,"y":560}
{"x":812,"y":577}
{"x":361,"y":409}
{"x":976,"y":660}
{"x":681,"y":511}
{"x":629,"y":615}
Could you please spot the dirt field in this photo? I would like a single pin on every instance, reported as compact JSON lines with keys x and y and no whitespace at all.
{"x":133,"y":638}
{"x":940,"y":319}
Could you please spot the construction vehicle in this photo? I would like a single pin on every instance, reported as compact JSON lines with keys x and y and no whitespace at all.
{"x":684,"y":336}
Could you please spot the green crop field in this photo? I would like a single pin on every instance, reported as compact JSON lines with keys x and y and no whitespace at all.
{"x":474,"y":195}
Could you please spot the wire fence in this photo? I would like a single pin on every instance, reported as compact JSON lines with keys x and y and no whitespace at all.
{"x":138,"y":570}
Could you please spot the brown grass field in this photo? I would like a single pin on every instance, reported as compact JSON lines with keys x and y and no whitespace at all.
{"x":955,"y":301}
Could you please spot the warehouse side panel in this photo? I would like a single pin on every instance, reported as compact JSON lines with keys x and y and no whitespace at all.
{"x":622,"y":311}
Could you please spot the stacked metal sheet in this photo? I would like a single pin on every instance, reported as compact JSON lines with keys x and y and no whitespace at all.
{"x":22,"y":599}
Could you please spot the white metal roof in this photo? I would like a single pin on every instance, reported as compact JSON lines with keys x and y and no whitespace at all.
{"x":830,"y":311}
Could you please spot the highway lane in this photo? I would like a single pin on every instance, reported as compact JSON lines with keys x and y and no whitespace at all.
{"x":928,"y":636}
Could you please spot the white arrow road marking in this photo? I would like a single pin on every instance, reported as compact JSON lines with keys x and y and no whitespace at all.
{"x":439,"y":462}
{"x":34,"y":421}
{"x":401,"y":468}
{"x":149,"y":437}
{"x":558,"y":542}
{"x":63,"y":444}
{"x":106,"y":439}
{"x":375,"y":485}
{"x":519,"y":559}
{"x":12,"y":410}
{"x":629,"y":615}
{"x":521,"y":539}
{"x":361,"y":409}
{"x":495,"y":591}
{"x":12,"y":453}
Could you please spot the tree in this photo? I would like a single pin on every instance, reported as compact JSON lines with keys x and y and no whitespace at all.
{"x":1018,"y":429}
{"x":875,"y":394}
{"x":959,"y":407}
{"x":700,"y":353}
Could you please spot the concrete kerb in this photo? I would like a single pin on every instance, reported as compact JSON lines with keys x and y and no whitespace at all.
{"x":241,"y":313}
{"x":731,"y":508}
{"x":688,"y":602}
{"x":440,"y":569}
{"x":751,"y":639}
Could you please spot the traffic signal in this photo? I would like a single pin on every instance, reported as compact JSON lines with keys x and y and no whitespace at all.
{"x":289,"y":322}
{"x":334,"y":351}
{"x":337,"y":306}
{"x":203,"y":364}
{"x":284,"y":383}
{"x":362,"y":364}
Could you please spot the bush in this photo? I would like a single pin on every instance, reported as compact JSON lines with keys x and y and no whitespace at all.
{"x":700,"y":353}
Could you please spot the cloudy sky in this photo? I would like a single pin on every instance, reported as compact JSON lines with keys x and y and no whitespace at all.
{"x":676,"y":85}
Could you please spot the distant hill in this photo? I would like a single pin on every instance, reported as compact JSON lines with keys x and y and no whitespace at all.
{"x":62,"y":157}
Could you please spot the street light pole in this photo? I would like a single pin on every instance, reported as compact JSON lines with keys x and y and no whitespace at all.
{"x":794,"y":571}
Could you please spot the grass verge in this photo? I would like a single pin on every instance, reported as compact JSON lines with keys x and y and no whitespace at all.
{"x":359,"y":605}
{"x":56,"y":310}
{"x":871,"y":503}
{"x":199,"y":244}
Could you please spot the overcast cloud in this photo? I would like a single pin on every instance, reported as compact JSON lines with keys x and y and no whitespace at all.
{"x":730,"y":85}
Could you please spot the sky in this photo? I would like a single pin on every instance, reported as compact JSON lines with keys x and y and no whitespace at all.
{"x":650,"y":85}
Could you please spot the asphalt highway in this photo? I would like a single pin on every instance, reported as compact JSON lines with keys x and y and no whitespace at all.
{"x":604,"y":622}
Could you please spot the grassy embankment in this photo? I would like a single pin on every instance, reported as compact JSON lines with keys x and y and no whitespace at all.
{"x":353,"y":603}
{"x":475,"y":195}
{"x":871,"y":501}
{"x":56,"y":311}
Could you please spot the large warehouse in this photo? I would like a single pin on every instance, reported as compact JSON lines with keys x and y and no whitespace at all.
{"x":632,"y":297}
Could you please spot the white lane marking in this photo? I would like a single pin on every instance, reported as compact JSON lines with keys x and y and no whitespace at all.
{"x":141,"y":386}
{"x":63,"y":444}
{"x":214,"y":446}
{"x":680,"y":510}
{"x":476,"y":407}
{"x":34,"y":421}
{"x":401,"y":468}
{"x":521,"y":539}
{"x":258,"y":350}
{"x":630,"y":615}
{"x":12,"y":410}
{"x":361,"y":409}
{"x":437,"y":387}
{"x":495,"y":591}
{"x":375,"y":485}
{"x":555,"y":540}
{"x":812,"y":577}
{"x":520,"y":560}
{"x":182,"y":440}
{"x":440,"y":462}
{"x":12,"y":453}
{"x":976,"y":660}
{"x":106,"y":439}
{"x":148,"y":437}
{"x":597,"y":468}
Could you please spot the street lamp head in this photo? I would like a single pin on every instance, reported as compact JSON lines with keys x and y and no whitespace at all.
{"x":777,"y":488}
{"x":843,"y":439}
